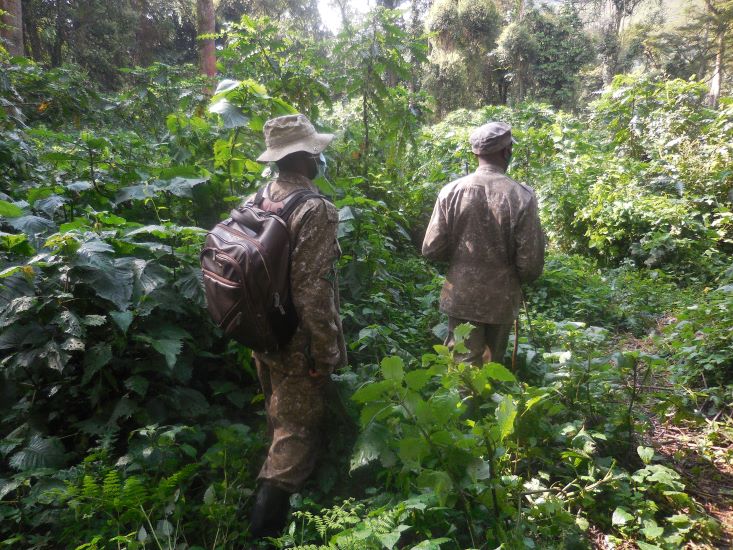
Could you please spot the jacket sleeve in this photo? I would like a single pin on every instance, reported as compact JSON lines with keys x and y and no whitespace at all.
{"x":436,"y":244}
{"x":313,"y":280}
{"x":530,"y":243}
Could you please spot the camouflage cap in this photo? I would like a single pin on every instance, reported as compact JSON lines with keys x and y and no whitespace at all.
{"x":289,"y":134}
{"x":491,"y":137}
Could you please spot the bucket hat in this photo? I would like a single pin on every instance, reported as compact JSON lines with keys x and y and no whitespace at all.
{"x":290,"y":134}
{"x":491,"y":137}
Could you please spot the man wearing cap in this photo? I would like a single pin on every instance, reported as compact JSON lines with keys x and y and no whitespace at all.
{"x":294,"y":379}
{"x":487,"y":227}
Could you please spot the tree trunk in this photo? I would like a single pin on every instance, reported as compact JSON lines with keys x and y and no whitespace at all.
{"x":206,"y":25}
{"x":58,"y":44}
{"x":416,"y":30}
{"x":144,"y":33}
{"x":717,"y":80}
{"x":30,"y":32}
{"x":12,"y":29}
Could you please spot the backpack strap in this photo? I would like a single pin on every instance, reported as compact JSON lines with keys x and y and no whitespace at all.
{"x":285,"y":207}
{"x":295,"y":199}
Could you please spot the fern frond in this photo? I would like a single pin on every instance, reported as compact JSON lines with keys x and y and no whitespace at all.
{"x":134,"y":492}
{"x":168,"y":485}
{"x":111,"y":486}
{"x":90,"y":488}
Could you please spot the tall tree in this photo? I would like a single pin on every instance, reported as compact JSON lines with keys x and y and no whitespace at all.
{"x":206,"y":25}
{"x":461,"y":73}
{"x":721,"y":18}
{"x":11,"y":30}
{"x":610,"y":17}
{"x":301,"y":14}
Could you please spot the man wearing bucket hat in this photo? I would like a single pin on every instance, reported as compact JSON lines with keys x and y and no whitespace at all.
{"x":486,"y":227}
{"x":294,"y":379}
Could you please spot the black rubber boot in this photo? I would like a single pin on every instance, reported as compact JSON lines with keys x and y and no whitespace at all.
{"x":270,"y":511}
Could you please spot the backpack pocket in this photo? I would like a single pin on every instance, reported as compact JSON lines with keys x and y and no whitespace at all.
{"x":224,"y":293}
{"x":224,"y":300}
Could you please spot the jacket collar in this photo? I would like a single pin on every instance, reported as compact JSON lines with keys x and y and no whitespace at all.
{"x":490,"y":168}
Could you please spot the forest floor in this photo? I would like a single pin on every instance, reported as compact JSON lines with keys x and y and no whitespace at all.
{"x":703,"y":455}
{"x":701,"y":451}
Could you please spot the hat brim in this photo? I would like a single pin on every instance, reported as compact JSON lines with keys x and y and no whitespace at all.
{"x":313,"y":144}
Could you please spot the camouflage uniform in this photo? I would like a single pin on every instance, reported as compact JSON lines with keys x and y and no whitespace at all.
{"x":294,"y":401}
{"x":486,"y":225}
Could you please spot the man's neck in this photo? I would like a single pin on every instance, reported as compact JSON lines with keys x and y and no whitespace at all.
{"x":492,"y":164}
{"x":293,"y":175}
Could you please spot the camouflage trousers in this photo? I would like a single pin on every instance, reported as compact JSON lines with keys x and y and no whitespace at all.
{"x":295,"y":405}
{"x":486,"y":342}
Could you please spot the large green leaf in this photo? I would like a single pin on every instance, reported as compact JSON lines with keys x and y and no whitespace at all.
{"x":372,"y":442}
{"x":34,"y":227}
{"x":94,"y":253}
{"x":181,"y":187}
{"x":69,"y":323}
{"x":124,"y":409}
{"x":186,"y":401}
{"x":506,"y":412}
{"x":160,"y":231}
{"x":231,"y":116}
{"x":393,"y":368}
{"x":97,"y":357}
{"x":7,"y":486}
{"x":170,"y":349}
{"x":136,"y":193}
{"x":226,"y":85}
{"x":123,"y":319}
{"x":417,"y":379}
{"x":439,"y":482}
{"x":79,"y":186}
{"x":50,"y":205}
{"x":56,"y":358}
{"x":17,"y":336}
{"x":432,"y":544}
{"x":40,"y":452}
{"x":190,"y":284}
{"x":499,"y":372}
{"x":113,"y":283}
{"x":371,"y":391}
{"x":138,"y":384}
{"x":621,"y":516}
{"x":149,"y":276}
{"x":413,"y":450}
{"x":9,"y":210}
{"x":13,"y":312}
{"x":16,"y":243}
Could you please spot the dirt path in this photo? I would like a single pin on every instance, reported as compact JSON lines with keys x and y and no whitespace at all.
{"x":703,"y":456}
{"x":701,"y":452}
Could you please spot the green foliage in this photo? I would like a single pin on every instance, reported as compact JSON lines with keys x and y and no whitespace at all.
{"x":593,"y":203}
{"x":125,"y":419}
{"x":372,"y":64}
{"x":288,"y":64}
{"x":459,"y":74}
{"x":667,"y":125}
{"x":101,"y":37}
{"x":700,"y":339}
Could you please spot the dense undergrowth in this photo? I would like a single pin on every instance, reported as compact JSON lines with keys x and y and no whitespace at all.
{"x":127,"y":421}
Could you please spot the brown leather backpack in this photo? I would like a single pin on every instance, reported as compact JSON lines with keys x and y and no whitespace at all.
{"x":246,"y":269}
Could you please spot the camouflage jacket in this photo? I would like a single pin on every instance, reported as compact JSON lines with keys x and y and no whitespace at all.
{"x":487,"y":227}
{"x":314,"y":249}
